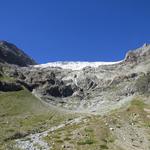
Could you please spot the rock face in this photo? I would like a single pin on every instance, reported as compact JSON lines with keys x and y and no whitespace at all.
{"x":9,"y":86}
{"x":91,"y":88}
{"x":10,"y":54}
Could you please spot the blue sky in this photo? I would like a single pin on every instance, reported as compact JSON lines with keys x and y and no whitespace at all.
{"x":75,"y":30}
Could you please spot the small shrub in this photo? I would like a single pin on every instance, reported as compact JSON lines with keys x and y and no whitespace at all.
{"x":143,"y":84}
{"x":87,"y":141}
{"x":59,"y":141}
{"x":138,"y":103}
{"x":56,"y":136}
{"x":16,"y":135}
{"x":103,"y":146}
{"x":88,"y":130}
{"x":67,"y":139}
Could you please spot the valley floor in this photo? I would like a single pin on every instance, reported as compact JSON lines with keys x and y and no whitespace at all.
{"x":125,"y":128}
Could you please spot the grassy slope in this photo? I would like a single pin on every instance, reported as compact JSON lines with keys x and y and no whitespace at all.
{"x":97,"y":134}
{"x":90,"y":135}
{"x":131,"y":124}
{"x":21,"y":112}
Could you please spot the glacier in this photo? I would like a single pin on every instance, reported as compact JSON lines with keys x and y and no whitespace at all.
{"x":75,"y":65}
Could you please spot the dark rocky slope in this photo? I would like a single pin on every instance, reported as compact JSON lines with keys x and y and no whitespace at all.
{"x":10,"y":54}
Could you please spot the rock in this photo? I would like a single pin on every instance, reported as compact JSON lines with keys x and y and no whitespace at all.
{"x":59,"y":91}
{"x":145,"y":45}
{"x":63,"y":146}
{"x":111,"y":129}
{"x":131,"y":57}
{"x":54,"y":91}
{"x":29,"y":86}
{"x":67,"y":91}
{"x":142,"y":84}
{"x":8,"y":86}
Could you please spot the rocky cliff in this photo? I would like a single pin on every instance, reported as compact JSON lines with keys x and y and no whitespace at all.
{"x":92,"y":87}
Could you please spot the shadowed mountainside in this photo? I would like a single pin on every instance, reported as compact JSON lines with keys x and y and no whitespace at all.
{"x":10,"y":54}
